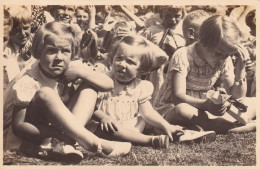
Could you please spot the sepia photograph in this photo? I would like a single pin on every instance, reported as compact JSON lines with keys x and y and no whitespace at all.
{"x":130,"y":84}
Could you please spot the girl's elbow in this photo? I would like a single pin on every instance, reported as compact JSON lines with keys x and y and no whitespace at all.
{"x":15,"y":129}
{"x":106,"y":87}
{"x":176,"y":98}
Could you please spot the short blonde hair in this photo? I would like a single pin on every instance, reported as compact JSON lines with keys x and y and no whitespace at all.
{"x":190,"y":18}
{"x":152,"y":57}
{"x":218,"y":28}
{"x":20,"y":15}
{"x":62,"y":30}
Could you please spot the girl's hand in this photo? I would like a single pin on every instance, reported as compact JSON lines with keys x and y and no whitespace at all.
{"x":216,"y":109}
{"x":172,"y":129}
{"x":242,"y":57}
{"x":123,"y":32}
{"x":108,"y":123}
{"x":91,"y":9}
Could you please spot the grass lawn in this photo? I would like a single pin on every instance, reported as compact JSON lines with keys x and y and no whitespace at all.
{"x":227,"y":150}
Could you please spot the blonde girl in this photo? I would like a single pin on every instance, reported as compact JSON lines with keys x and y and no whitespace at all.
{"x":40,"y":107}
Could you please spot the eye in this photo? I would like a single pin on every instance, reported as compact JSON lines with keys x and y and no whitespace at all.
{"x":119,"y":58}
{"x":66,"y":51}
{"x":110,"y":22}
{"x":131,"y":62}
{"x":50,"y":50}
{"x":6,"y":38}
{"x":71,"y":9}
{"x":26,"y":28}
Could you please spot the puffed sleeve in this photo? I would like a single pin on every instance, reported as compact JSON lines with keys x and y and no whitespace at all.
{"x":179,"y":61}
{"x":228,"y":69}
{"x":146,"y":91}
{"x":24,"y":90}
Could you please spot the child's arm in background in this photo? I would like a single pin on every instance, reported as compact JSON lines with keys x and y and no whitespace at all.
{"x":155,"y":119}
{"x":99,"y":81}
{"x":92,"y":14}
{"x":140,"y":24}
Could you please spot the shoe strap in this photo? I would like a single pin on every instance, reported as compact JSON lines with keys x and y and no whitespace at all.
{"x":99,"y":147}
{"x":153,"y":138}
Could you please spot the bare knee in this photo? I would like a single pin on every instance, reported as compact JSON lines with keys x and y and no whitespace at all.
{"x":44,"y":94}
{"x":185,"y":110}
{"x":182,"y":108}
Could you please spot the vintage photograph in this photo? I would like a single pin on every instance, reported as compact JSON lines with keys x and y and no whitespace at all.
{"x":129,"y":85}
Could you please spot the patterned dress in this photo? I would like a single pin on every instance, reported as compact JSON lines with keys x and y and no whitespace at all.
{"x":122,"y":102}
{"x":200,"y":76}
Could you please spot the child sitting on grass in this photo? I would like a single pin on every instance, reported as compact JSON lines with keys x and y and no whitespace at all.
{"x":39,"y":106}
{"x":125,"y":111}
{"x":195,"y":69}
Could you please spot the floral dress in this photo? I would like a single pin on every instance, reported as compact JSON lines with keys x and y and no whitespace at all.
{"x":200,"y":76}
{"x":122,"y":102}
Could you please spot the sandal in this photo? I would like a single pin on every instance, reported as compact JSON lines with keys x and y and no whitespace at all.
{"x":192,"y":136}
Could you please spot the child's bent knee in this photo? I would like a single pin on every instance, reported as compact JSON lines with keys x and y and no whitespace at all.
{"x":44,"y":93}
{"x":181,"y":108}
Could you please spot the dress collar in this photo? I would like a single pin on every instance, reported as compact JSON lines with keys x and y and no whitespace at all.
{"x":124,"y":89}
{"x":197,"y":60}
{"x":36,"y":73}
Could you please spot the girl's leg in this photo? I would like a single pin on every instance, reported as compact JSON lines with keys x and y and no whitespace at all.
{"x":133,"y":136}
{"x":51,"y":106}
{"x":82,"y":103}
{"x":186,"y":115}
{"x":251,"y":107}
{"x":29,"y":128}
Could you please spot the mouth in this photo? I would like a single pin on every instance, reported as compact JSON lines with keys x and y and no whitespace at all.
{"x":65,"y":19}
{"x":121,"y":72}
{"x":22,"y":38}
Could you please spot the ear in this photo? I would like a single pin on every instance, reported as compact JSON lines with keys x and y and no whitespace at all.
{"x":191,"y":33}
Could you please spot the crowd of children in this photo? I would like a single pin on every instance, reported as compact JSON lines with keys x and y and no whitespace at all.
{"x":109,"y":76}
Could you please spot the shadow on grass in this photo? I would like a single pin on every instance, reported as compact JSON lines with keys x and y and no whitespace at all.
{"x":227,"y":150}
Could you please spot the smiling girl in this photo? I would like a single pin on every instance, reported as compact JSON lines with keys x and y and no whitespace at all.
{"x":125,"y":111}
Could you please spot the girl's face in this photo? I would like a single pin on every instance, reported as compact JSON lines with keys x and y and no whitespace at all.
{"x":82,"y":18}
{"x":64,"y":13}
{"x":221,"y":53}
{"x":126,"y":63}
{"x":21,"y":34}
{"x":171,"y":19}
{"x":55,"y":56}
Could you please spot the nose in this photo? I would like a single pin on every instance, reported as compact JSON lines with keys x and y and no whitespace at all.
{"x":122,"y":64}
{"x":22,"y":32}
{"x":66,"y":12}
{"x":59,"y":55}
{"x":174,"y":20}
